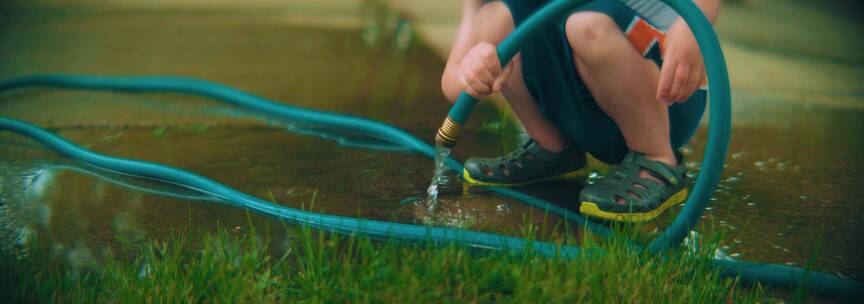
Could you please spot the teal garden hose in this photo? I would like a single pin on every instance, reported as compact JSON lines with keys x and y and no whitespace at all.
{"x":348,"y":225}
{"x":718,"y":137}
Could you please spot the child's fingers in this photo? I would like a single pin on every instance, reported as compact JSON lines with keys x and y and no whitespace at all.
{"x":467,"y":88}
{"x":473,"y":86}
{"x":502,"y":78}
{"x":483,"y":73}
{"x":667,"y":72}
{"x":679,"y":84}
{"x":470,"y":82}
{"x":478,"y":86}
{"x":695,"y":79}
{"x":491,"y":61}
{"x":463,"y":84}
{"x":477,"y":83}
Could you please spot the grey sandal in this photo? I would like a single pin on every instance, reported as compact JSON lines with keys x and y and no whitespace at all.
{"x":625,"y":196}
{"x":528,"y":164}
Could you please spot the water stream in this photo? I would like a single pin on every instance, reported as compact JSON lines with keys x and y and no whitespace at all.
{"x":439,"y":178}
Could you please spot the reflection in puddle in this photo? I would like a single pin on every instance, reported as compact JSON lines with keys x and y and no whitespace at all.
{"x":132,"y":183}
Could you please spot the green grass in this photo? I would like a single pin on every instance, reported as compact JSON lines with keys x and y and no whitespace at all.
{"x":231,"y":267}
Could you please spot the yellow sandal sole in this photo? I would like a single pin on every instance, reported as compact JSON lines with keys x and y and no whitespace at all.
{"x":592,"y":210}
{"x":569,"y":175}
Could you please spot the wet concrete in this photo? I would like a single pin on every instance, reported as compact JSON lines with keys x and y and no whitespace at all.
{"x":792,"y":191}
{"x":791,"y":181}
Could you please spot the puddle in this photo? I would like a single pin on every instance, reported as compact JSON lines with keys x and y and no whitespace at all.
{"x":66,"y":202}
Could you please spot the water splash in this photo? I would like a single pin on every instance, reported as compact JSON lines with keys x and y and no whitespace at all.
{"x":439,"y":178}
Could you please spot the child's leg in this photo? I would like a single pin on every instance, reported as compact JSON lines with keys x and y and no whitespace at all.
{"x":549,"y":155}
{"x":491,"y":25}
{"x":622,"y":82}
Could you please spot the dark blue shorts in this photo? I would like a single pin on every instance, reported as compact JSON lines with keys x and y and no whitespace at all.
{"x":551,"y":77}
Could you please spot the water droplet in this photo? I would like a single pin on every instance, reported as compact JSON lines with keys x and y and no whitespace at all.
{"x":691,"y":164}
{"x":503,"y":208}
{"x":144,"y":271}
{"x":759,"y":165}
{"x":409,"y":200}
{"x":593,"y":177}
{"x":404,"y":33}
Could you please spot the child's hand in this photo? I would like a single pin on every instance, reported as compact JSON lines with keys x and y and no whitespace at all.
{"x":480,"y":72}
{"x":683,"y":70}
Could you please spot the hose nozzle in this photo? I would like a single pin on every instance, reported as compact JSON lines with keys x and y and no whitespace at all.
{"x":448,"y":134}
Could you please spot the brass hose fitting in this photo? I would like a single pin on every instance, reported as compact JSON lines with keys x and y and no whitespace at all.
{"x":448,"y":134}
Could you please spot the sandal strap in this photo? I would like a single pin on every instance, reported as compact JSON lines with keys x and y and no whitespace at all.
{"x":622,"y":184}
{"x":660,"y":169}
{"x":534,"y":159}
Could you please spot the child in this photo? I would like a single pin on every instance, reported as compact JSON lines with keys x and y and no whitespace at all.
{"x":620,"y":79}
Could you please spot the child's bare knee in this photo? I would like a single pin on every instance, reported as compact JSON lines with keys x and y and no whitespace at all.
{"x":587,"y":31}
{"x":493,"y":22}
